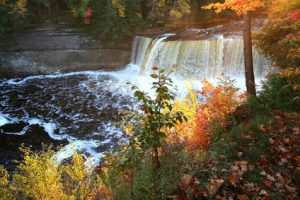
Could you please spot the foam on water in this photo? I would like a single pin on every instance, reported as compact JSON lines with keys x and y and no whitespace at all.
{"x":80,"y":146}
{"x":18,"y":81}
{"x":3,"y":120}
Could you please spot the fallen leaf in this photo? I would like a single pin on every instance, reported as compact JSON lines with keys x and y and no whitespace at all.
{"x":282,"y":130}
{"x":267,"y":183}
{"x":264,"y":193}
{"x":242,"y":197}
{"x":282,"y":149}
{"x":214,"y":186}
{"x":262,"y":128}
{"x":271,"y":141}
{"x":262,"y":161}
{"x":286,"y":140}
{"x":296,"y":130}
{"x":271,"y":178}
{"x":234,"y":168}
{"x":297,"y":158}
{"x":233,"y":178}
{"x":290,"y":189}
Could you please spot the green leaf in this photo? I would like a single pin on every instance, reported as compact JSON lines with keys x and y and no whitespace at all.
{"x":154,"y":75}
{"x":162,"y":71}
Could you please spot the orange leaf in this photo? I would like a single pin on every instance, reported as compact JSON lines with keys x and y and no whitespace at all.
{"x":242,"y":197}
{"x":297,"y":158}
{"x":267,"y":183}
{"x":233,"y":179}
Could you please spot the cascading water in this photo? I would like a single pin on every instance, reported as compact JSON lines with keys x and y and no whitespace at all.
{"x":199,"y":59}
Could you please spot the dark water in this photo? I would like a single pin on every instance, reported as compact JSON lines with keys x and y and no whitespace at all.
{"x":80,"y":108}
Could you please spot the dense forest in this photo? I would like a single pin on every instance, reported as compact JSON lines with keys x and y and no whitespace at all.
{"x":216,"y":143}
{"x":105,"y":18}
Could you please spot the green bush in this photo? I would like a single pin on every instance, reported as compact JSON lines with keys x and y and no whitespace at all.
{"x":277,"y":93}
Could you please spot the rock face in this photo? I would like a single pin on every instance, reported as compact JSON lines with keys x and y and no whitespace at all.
{"x":50,"y":48}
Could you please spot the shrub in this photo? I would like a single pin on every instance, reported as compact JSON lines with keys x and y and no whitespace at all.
{"x":188,"y":106}
{"x":40,"y":177}
{"x":141,"y":180}
{"x":5,"y":190}
{"x":218,"y":102}
{"x":279,"y":92}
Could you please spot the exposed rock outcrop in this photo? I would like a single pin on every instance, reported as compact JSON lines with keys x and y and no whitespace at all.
{"x":50,"y":48}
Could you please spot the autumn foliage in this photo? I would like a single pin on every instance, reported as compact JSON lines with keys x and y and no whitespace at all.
{"x":238,"y":6}
{"x":40,"y":176}
{"x":206,"y":109}
{"x":218,"y":101}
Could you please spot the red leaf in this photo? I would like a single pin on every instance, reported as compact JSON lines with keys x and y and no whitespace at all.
{"x":87,"y":21}
{"x":295,"y":15}
{"x":88,"y":12}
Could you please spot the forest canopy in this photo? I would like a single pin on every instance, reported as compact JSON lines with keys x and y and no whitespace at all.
{"x":104,"y":18}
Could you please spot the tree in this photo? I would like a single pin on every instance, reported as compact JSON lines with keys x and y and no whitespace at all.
{"x":147,"y":126}
{"x":279,"y":39}
{"x":243,"y":7}
{"x":157,"y":113}
{"x":13,"y":16}
{"x":174,"y":10}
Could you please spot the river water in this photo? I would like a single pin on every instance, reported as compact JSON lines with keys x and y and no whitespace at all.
{"x":82,"y":107}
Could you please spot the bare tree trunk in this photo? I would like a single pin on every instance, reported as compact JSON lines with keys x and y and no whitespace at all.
{"x":248,"y":57}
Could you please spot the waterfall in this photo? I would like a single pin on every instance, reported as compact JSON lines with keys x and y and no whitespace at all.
{"x":139,"y":48}
{"x":196,"y":59}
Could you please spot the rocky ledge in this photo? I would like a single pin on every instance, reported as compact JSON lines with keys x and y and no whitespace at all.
{"x":50,"y":48}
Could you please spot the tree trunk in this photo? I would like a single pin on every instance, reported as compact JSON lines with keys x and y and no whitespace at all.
{"x":156,"y":174}
{"x":156,"y":158}
{"x":248,"y":57}
{"x":144,"y":10}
